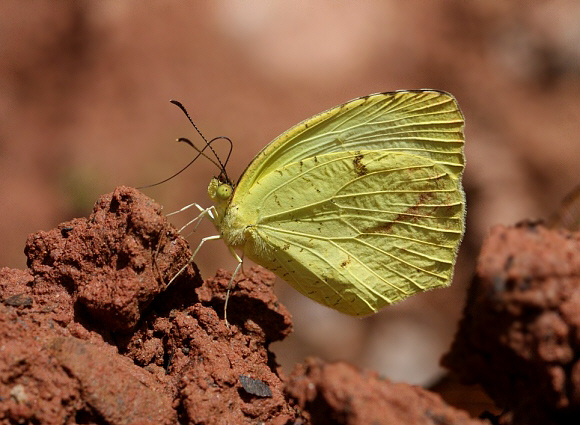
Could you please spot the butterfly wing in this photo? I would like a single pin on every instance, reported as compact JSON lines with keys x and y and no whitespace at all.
{"x":353,"y":230}
{"x":360,"y":206}
{"x":424,"y":122}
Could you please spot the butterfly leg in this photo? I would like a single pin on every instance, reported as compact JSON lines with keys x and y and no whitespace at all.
{"x":204,"y":212}
{"x":238,"y":267}
{"x":209,"y":238}
{"x":210,"y":213}
{"x":193,"y":204}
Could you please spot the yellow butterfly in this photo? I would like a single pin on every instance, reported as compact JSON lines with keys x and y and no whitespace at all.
{"x":357,"y":207}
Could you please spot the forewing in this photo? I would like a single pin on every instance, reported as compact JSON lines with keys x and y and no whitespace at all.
{"x":425,"y":123}
{"x":357,"y":230}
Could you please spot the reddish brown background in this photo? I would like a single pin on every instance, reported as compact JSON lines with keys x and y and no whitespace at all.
{"x":84,"y":90}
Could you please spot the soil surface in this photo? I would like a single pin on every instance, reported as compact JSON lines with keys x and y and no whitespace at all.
{"x":92,"y":334}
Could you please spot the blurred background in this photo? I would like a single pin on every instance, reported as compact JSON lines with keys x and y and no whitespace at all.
{"x":84,"y":107}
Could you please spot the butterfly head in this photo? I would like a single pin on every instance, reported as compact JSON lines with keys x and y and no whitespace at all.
{"x":220,"y":191}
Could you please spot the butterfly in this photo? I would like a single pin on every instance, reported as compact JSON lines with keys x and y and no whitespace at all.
{"x":357,"y":207}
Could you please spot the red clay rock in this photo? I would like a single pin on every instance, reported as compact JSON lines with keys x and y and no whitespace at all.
{"x":112,"y":263}
{"x":252,"y":303}
{"x":204,"y":358}
{"x":117,"y":390}
{"x":210,"y":388}
{"x":338,"y":393}
{"x":33,"y":389}
{"x":520,"y":337}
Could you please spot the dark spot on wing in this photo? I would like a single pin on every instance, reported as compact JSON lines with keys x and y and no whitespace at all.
{"x":359,"y":168}
{"x":345,"y":263}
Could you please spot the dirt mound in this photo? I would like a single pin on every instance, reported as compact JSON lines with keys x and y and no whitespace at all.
{"x":92,"y":333}
{"x":520,"y":335}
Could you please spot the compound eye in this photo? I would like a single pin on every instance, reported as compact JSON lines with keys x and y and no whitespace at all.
{"x":224,"y":191}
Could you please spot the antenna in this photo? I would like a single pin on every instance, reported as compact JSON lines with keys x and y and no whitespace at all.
{"x":208,"y":144}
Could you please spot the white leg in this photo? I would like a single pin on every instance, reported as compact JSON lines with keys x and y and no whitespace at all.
{"x":209,"y":238}
{"x":208,"y":212}
{"x":211,"y":213}
{"x":194,"y":204}
{"x":237,"y":257}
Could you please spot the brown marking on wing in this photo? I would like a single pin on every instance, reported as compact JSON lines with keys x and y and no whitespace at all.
{"x":345,"y":262}
{"x":407,"y":216}
{"x":359,"y":168}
